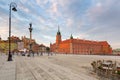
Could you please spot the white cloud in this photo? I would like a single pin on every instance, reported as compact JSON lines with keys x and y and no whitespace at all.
{"x":80,"y":35}
{"x":98,"y":4}
{"x":53,"y":9}
{"x":4,"y":30}
{"x":24,"y":8}
{"x":41,"y":20}
{"x":69,"y":22}
{"x":42,"y":3}
{"x":96,"y":21}
{"x":24,"y":1}
{"x":104,"y":18}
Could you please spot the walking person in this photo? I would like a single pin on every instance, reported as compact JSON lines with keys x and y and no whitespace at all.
{"x":37,"y":53}
{"x":41,"y":54}
{"x":48,"y":53}
{"x":33,"y":53}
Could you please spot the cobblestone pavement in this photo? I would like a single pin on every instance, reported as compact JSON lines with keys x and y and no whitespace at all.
{"x":7,"y":69}
{"x":56,"y":67}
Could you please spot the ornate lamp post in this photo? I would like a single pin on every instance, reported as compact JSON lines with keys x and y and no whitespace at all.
{"x":13,"y":7}
{"x":30,"y":29}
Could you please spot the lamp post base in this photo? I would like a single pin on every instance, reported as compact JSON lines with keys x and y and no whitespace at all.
{"x":10,"y":58}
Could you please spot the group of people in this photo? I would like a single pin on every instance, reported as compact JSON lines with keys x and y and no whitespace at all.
{"x":31,"y":53}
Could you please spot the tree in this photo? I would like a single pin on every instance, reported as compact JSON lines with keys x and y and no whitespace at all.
{"x":47,"y":49}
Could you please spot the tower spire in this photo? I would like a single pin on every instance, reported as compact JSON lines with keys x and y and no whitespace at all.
{"x":58,"y":33}
{"x":58,"y":29}
{"x":58,"y":36}
{"x":71,"y":37}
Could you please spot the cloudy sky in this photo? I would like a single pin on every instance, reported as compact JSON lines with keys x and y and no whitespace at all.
{"x":85,"y":19}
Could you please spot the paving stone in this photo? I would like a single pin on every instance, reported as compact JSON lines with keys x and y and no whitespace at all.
{"x":58,"y":67}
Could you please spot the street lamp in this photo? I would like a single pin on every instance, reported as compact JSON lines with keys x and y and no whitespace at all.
{"x":13,"y":6}
{"x":30,"y":29}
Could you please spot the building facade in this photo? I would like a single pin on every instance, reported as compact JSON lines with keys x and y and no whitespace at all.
{"x":4,"y":46}
{"x":18,"y":44}
{"x":14,"y":39}
{"x":79,"y":46}
{"x":27,"y":41}
{"x":42,"y":48}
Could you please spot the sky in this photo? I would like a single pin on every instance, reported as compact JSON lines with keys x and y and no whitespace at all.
{"x":96,"y":20}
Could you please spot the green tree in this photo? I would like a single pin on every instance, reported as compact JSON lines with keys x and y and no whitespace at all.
{"x":47,"y":49}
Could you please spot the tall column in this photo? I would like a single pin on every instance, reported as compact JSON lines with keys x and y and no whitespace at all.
{"x":30,"y":29}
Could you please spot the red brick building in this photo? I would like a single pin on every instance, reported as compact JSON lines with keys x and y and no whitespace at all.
{"x":79,"y":46}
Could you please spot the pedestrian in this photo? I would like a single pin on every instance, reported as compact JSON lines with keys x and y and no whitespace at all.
{"x":51,"y":53}
{"x":37,"y":53}
{"x":41,"y":54}
{"x":48,"y":53}
{"x":33,"y":53}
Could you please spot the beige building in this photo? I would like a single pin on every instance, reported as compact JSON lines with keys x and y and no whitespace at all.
{"x":42,"y":48}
